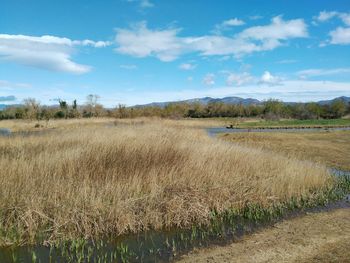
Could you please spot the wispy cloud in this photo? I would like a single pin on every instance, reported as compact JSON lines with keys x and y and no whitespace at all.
{"x":327,"y":15}
{"x":209,"y":79}
{"x":166,"y":45}
{"x":187,"y":66}
{"x":7,"y":85}
{"x":45,"y":52}
{"x":255,"y":17}
{"x":239,"y":79}
{"x":287,"y":61}
{"x":142,"y":3}
{"x":128,"y":67}
{"x":227,"y":24}
{"x":322,"y":72}
{"x":146,"y":4}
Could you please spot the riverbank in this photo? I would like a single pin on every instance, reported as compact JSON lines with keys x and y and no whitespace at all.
{"x":322,"y":237}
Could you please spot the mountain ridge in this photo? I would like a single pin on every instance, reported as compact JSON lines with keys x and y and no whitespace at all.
{"x":231,"y":100}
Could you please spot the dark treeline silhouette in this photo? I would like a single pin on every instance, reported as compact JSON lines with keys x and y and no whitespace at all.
{"x":270,"y":109}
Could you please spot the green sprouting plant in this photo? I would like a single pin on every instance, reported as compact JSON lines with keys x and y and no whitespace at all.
{"x":34,"y":257}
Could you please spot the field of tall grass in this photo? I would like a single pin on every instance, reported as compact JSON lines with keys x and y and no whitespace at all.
{"x":91,"y":181}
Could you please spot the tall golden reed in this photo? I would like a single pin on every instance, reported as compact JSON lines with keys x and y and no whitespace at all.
{"x":89,"y":181}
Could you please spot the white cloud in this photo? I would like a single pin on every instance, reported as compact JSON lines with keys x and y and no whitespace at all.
{"x":166,"y":45}
{"x":256,"y":17}
{"x":239,"y":79}
{"x":187,"y":66}
{"x":277,"y":30}
{"x":142,"y":3}
{"x":146,"y":4}
{"x":322,"y":72}
{"x":287,"y":61}
{"x":327,"y":15}
{"x":227,"y":24}
{"x":46,"y":52}
{"x":129,"y":67}
{"x":233,"y":22}
{"x":209,"y":79}
{"x":340,"y":36}
{"x":268,"y":79}
{"x":142,"y":42}
{"x":7,"y":85}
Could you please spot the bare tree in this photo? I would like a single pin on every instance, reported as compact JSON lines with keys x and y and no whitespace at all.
{"x":32,"y":108}
{"x":93,"y":107}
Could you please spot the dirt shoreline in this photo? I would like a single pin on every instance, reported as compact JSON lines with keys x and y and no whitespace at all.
{"x":315,"y":237}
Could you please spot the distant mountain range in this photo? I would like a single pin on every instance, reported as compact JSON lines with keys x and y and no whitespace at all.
{"x":206,"y":100}
{"x":4,"y":106}
{"x":231,"y":100}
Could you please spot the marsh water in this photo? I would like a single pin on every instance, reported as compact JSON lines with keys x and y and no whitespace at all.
{"x":5,"y":132}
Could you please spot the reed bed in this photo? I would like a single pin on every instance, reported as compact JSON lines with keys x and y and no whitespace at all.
{"x":92,"y":181}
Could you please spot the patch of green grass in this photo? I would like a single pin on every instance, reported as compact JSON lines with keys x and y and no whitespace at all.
{"x":295,"y":123}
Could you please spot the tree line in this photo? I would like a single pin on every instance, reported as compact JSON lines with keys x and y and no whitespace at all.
{"x":269,"y":109}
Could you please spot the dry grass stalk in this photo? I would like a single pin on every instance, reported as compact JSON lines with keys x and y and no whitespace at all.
{"x":90,"y":180}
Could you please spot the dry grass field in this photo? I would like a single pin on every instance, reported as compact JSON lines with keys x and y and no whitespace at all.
{"x":90,"y":179}
{"x":331,"y":148}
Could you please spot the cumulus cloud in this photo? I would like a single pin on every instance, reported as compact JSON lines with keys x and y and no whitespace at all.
{"x":166,"y":45}
{"x":209,"y":79}
{"x":187,"y":66}
{"x":322,"y":72}
{"x":327,"y":15}
{"x":268,"y":79}
{"x":139,"y":41}
{"x":340,"y":36}
{"x":45,"y":52}
{"x":239,"y":79}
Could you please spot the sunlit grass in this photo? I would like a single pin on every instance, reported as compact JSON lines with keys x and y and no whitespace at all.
{"x":92,"y":180}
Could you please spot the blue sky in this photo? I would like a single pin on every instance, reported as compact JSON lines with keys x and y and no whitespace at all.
{"x":140,"y":51}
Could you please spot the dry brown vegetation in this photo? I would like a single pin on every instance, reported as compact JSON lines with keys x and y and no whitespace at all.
{"x":320,"y":238}
{"x":90,"y":180}
{"x":331,"y":148}
{"x":29,"y":125}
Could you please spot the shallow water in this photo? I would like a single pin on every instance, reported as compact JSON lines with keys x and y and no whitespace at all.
{"x":5,"y":132}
